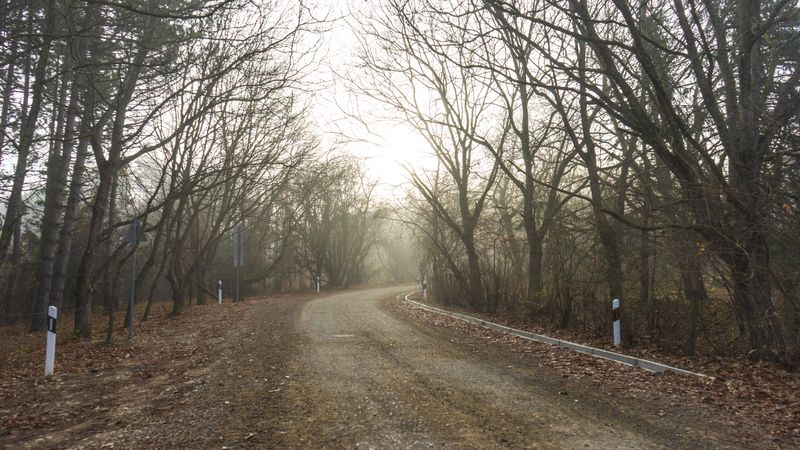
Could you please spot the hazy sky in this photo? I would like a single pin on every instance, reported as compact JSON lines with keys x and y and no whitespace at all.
{"x":386,"y":146}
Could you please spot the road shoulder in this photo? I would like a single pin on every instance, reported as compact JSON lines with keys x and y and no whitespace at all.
{"x":660,"y":404}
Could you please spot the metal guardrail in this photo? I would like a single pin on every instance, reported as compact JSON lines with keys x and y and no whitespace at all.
{"x":597,"y":352}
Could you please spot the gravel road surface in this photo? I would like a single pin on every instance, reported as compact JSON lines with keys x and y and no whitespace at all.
{"x":376,"y":380}
{"x":348,"y":370}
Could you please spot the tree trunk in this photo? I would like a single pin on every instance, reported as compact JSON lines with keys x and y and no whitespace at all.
{"x":644,"y":274}
{"x":535,"y":256}
{"x":14,"y":207}
{"x":610,"y":243}
{"x":608,"y":234}
{"x":476,"y":295}
{"x":111,"y":268}
{"x":791,"y":322}
{"x":57,"y":172}
{"x":695,"y":291}
{"x":178,"y":294}
{"x":749,"y":265}
{"x":201,"y":278}
{"x":108,"y":169}
{"x":83,"y":289}
{"x":61,"y":263}
{"x":151,"y":294}
{"x":12,"y":286}
{"x":8,"y":88}
{"x":515,"y":249}
{"x":609,"y":238}
{"x":86,"y":79}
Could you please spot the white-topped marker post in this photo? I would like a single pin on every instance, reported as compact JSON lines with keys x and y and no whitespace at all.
{"x":615,"y":308}
{"x":50,"y":352}
{"x":317,"y":283}
{"x":219,"y":291}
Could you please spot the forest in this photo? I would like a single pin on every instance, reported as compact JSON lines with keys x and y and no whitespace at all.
{"x":189,"y":117}
{"x":583,"y":151}
{"x":587,"y":151}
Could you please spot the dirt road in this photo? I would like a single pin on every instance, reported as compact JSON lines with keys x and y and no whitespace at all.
{"x":377,"y":381}
{"x":343,"y":371}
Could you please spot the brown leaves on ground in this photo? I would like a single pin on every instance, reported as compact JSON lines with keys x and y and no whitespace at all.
{"x":747,"y":395}
{"x":167,"y":388}
{"x":177,"y":383}
{"x":77,"y":400}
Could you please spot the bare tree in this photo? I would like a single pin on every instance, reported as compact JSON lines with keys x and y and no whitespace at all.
{"x":448,"y":104}
{"x":729,"y":54}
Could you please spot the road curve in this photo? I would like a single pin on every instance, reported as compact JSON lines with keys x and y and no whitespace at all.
{"x":371,"y":378}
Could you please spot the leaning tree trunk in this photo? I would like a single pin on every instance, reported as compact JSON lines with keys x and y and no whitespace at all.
{"x":160,"y":235}
{"x":83,"y":289}
{"x":609,"y":237}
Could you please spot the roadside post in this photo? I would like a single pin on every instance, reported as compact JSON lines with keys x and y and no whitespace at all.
{"x":317,"y":283}
{"x":219,"y":291}
{"x":615,"y":309}
{"x":425,"y":287}
{"x":133,"y":238}
{"x":50,"y":351}
{"x":238,"y":255}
